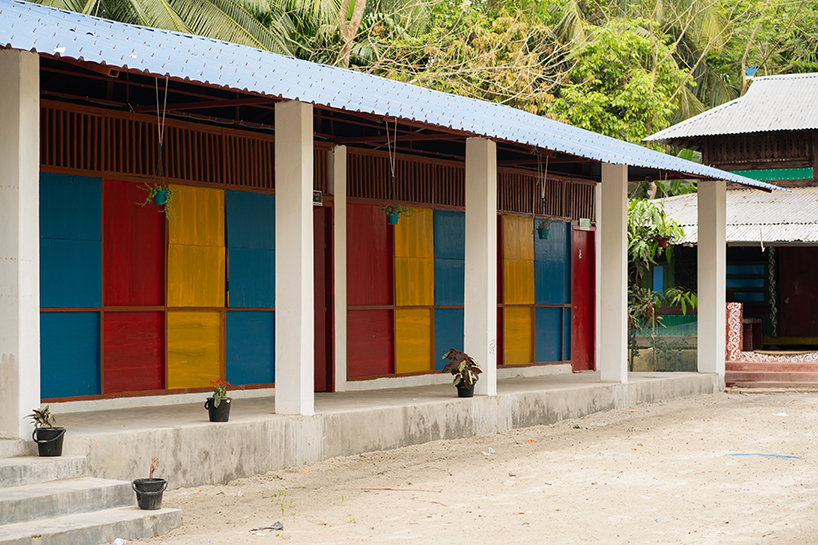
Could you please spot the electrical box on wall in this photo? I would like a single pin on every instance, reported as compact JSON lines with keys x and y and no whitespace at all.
{"x":584,"y":223}
{"x":317,"y":198}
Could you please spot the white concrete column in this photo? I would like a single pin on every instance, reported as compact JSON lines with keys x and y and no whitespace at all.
{"x":19,"y":241}
{"x":480,"y":328}
{"x":613,"y":285}
{"x":295,"y":320}
{"x":712,"y":324}
{"x":338,"y":189}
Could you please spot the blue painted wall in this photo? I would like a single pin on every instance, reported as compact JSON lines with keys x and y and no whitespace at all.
{"x":69,"y":354}
{"x":448,"y":333}
{"x":250,"y":238}
{"x":250,"y":347}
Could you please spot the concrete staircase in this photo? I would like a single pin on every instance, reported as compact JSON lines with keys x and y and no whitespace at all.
{"x":51,"y":501}
{"x":786,"y":375}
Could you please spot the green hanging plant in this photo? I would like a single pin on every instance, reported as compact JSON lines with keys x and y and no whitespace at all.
{"x":159,"y":195}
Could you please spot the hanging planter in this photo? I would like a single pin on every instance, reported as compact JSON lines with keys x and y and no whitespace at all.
{"x":159,"y":195}
{"x":160,"y":198}
{"x":393,"y":212}
{"x":661,"y":242}
{"x":543,"y":226}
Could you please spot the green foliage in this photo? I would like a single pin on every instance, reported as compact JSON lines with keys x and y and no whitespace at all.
{"x":462,"y":366}
{"x":648,"y":225}
{"x":219,"y":391}
{"x":42,"y":417}
{"x":616,"y":86}
{"x":152,"y":190}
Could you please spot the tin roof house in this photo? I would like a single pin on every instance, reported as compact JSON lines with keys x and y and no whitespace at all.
{"x":276,"y":269}
{"x":769,"y":134}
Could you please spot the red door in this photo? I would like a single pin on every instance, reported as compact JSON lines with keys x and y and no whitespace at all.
{"x":322,"y":220}
{"x":582,"y":297}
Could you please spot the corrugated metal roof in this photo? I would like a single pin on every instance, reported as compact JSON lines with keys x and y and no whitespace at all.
{"x":50,"y":31}
{"x":753,"y":216}
{"x":772,"y":103}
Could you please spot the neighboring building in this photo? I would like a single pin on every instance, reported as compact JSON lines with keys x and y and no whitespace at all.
{"x":769,"y":134}
{"x":254,"y":281}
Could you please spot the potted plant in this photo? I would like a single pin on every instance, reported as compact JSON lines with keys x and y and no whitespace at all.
{"x":160,"y":195}
{"x":542,"y":227}
{"x":149,"y":491}
{"x":393,"y":212}
{"x":48,"y":437}
{"x":464,"y":369}
{"x":218,"y":406}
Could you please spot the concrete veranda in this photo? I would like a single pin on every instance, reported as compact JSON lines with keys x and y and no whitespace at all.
{"x":119,"y":444}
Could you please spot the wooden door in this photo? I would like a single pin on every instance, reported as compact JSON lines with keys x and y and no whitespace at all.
{"x":583,"y":297}
{"x":322,"y":237}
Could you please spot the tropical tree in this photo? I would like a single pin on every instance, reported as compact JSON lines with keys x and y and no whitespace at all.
{"x":255,"y":23}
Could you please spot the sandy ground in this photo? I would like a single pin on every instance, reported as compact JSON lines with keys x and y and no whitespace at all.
{"x":725,"y":468}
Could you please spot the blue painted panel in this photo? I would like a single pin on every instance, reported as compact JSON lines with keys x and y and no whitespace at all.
{"x":250,"y":220}
{"x":450,"y":275}
{"x":551,"y":249}
{"x":70,"y":207}
{"x":450,"y":234}
{"x":548,"y":328}
{"x":549,"y":279}
{"x":70,"y":273}
{"x":749,"y":297}
{"x":567,"y":334}
{"x":448,"y":333}
{"x":69,"y":354}
{"x":252,"y":278}
{"x":745,"y":283}
{"x":658,"y":278}
{"x":250,"y":347}
{"x":568,"y":283}
{"x":745,"y":269}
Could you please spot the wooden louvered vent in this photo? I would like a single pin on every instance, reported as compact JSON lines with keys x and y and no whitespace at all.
{"x":104,"y":142}
{"x":527,"y":193}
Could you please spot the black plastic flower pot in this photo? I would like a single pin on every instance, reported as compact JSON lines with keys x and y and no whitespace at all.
{"x":465,"y":391}
{"x":49,"y":440}
{"x":220,"y":413}
{"x":149,"y":492}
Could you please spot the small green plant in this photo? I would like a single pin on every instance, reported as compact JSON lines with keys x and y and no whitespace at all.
{"x":392,"y":209}
{"x":42,"y":417}
{"x":280,"y":497}
{"x":462,"y":366}
{"x":219,"y":391}
{"x":544,"y":223}
{"x":155,"y":189}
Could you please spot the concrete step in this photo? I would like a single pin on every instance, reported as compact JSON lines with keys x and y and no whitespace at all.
{"x":92,"y":528}
{"x":771,"y":376}
{"x":772,"y":385}
{"x":35,"y":469}
{"x":773,"y":367}
{"x":10,"y":448}
{"x":64,"y":497}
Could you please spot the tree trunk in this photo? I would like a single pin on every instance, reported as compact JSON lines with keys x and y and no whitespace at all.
{"x":348,"y":29}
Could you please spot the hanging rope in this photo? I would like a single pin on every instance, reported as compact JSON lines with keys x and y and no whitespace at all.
{"x":391,"y":147}
{"x":160,"y":128}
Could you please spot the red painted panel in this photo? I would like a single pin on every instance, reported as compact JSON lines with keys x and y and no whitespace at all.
{"x":133,"y":351}
{"x":583,"y":297}
{"x":369,"y":343}
{"x":134,"y":247}
{"x":798,"y":281}
{"x":369,"y":256}
{"x":322,"y":246}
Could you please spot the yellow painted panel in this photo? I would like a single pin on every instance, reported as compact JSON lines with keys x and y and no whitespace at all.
{"x":195,"y":276}
{"x":518,"y":238}
{"x":518,"y":282}
{"x":414,"y":235}
{"x":199,"y":216}
{"x":194,"y":349}
{"x":413,"y":336}
{"x":414,"y":281}
{"x":518,"y":333}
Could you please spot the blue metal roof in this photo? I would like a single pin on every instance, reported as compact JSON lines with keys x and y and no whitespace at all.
{"x":60,"y":33}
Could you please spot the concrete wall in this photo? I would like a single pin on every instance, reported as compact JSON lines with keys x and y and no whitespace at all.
{"x":204,"y":453}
